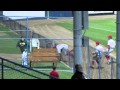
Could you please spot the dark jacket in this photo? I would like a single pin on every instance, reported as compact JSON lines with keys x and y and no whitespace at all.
{"x":21,"y":43}
{"x":78,"y":75}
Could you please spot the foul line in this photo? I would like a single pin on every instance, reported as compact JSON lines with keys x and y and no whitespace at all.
{"x":102,"y":29}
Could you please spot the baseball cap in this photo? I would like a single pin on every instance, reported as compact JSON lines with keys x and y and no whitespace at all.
{"x":110,"y":36}
{"x":97,"y":43}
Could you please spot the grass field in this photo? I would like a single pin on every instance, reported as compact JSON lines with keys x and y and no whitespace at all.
{"x":8,"y":45}
{"x":11,"y":74}
{"x":64,"y":71}
{"x":98,"y":29}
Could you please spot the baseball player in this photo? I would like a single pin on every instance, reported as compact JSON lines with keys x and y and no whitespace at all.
{"x":22,"y":44}
{"x":97,"y":55}
{"x":111,"y":45}
{"x":60,"y":47}
{"x":25,"y":57}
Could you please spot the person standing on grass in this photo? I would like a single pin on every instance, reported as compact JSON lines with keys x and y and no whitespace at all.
{"x":25,"y":58}
{"x":22,"y":44}
{"x":54,"y":73}
{"x":111,"y":45}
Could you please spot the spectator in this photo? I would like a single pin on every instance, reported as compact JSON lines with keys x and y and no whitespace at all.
{"x":78,"y":72}
{"x":97,"y":55}
{"x":111,"y":45}
{"x":22,"y":44}
{"x":54,"y":73}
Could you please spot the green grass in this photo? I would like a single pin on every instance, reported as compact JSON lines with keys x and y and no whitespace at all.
{"x":8,"y":46}
{"x":12,"y":74}
{"x":98,"y":29}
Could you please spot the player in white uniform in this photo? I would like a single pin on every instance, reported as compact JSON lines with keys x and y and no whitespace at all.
{"x":34,"y":43}
{"x":111,"y":45}
{"x":97,"y":54}
{"x":25,"y":57}
{"x":61,"y":47}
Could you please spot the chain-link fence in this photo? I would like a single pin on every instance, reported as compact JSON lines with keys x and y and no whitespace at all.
{"x":12,"y":30}
{"x":13,"y":70}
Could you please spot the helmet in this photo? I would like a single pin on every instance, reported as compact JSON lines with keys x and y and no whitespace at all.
{"x":97,"y":43}
{"x":110,"y":36}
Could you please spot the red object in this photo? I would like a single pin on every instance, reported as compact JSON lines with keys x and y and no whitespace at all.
{"x":71,"y":50}
{"x":97,"y":43}
{"x":110,"y":36}
{"x":107,"y":57}
{"x":71,"y":53}
{"x":54,"y":46}
{"x":54,"y":73}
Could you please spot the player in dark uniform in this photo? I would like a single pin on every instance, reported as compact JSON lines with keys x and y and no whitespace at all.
{"x":22,"y":44}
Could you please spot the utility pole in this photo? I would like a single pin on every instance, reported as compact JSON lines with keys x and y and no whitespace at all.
{"x":77,"y":33}
{"x":48,"y":17}
{"x":118,"y":46}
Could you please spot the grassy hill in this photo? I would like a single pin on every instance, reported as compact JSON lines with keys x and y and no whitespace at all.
{"x":8,"y":45}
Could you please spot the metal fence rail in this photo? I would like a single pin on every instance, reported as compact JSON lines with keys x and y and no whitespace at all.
{"x":18,"y":73}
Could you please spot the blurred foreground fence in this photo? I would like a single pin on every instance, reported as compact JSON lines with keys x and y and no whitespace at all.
{"x":12,"y":70}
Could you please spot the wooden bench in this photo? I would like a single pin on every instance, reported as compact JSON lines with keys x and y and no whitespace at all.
{"x":44,"y":55}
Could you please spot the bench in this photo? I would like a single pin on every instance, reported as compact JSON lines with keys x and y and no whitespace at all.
{"x":44,"y":55}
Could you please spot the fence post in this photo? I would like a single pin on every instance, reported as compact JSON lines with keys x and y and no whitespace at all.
{"x":99,"y":65}
{"x":111,"y":68}
{"x":2,"y":70}
{"x":88,"y":49}
{"x":68,"y":57}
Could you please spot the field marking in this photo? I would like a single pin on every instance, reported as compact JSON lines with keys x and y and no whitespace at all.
{"x":94,"y":27}
{"x":65,"y":64}
{"x":37,"y":69}
{"x":102,"y":29}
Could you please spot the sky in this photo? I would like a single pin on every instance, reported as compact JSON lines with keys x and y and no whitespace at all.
{"x":24,"y":14}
